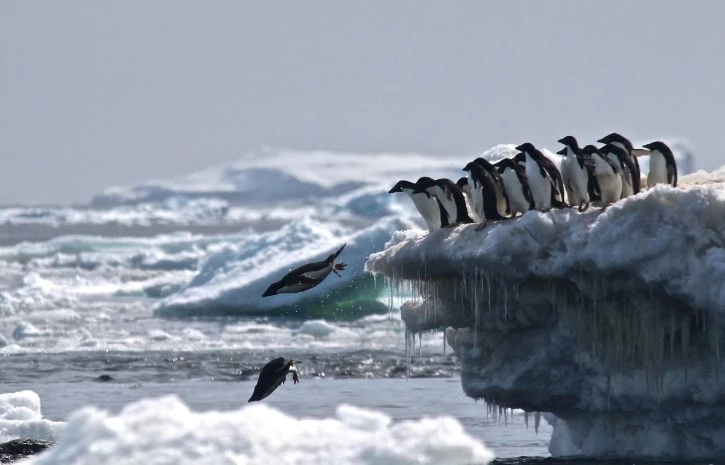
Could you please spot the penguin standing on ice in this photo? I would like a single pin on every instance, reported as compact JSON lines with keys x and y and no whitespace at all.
{"x":450,"y":196}
{"x":607,"y":173}
{"x":662,"y":165}
{"x":272,"y":375}
{"x":485,"y":187}
{"x":619,"y":157}
{"x":576,"y":169}
{"x":428,"y":206}
{"x":502,"y":201}
{"x":516,"y":186}
{"x":547,"y":187}
{"x":621,"y":141}
{"x":306,"y":276}
{"x":462,"y":183}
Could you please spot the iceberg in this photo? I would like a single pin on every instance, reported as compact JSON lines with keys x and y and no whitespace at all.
{"x":21,"y":418}
{"x":608,"y":322}
{"x":166,"y":431}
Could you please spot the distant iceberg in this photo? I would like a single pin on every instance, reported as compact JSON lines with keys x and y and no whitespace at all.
{"x":610,"y":321}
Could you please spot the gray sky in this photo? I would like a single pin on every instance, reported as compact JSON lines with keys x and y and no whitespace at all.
{"x":96,"y":93}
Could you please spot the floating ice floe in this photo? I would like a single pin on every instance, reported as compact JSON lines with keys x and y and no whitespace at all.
{"x":164,"y":431}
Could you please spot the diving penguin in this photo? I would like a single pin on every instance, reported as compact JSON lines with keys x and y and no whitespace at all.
{"x":428,"y":206}
{"x":272,"y":375}
{"x":607,"y":173}
{"x":662,"y":165}
{"x":621,"y":141}
{"x":306,"y":276}
{"x":576,"y":169}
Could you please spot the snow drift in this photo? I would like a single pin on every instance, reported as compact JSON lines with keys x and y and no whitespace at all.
{"x":165,"y":431}
{"x":609,"y":320}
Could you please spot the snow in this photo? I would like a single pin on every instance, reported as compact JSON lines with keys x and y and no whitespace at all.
{"x":20,"y":418}
{"x":612,"y":320}
{"x":166,"y":431}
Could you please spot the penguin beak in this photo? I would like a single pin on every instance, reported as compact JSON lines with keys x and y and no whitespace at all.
{"x":340,"y":250}
{"x":394,"y":190}
{"x":270,"y":291}
{"x":561,"y":141}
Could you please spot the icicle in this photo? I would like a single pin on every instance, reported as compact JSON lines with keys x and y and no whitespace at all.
{"x":537,"y":420}
{"x":526,"y":418}
{"x":445,"y":336}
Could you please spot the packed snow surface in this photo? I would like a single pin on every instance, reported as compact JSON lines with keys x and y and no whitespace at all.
{"x":20,"y":418}
{"x":166,"y":431}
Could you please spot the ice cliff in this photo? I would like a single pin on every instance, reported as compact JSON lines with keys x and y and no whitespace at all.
{"x":609,"y":321}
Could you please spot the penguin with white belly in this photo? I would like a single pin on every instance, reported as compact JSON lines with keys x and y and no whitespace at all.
{"x":662,"y":165}
{"x":576,"y":169}
{"x":306,"y":276}
{"x":547,"y":187}
{"x":428,"y":206}
{"x":502,"y":201}
{"x":607,"y":173}
{"x":451,"y":198}
{"x":462,"y":183}
{"x":619,"y":157}
{"x":484,"y":185}
{"x":621,"y":141}
{"x":516,"y":186}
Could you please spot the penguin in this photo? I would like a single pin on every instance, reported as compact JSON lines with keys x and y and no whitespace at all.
{"x":607,"y":173}
{"x":547,"y":187}
{"x":462,"y":183}
{"x":619,"y":157}
{"x":428,"y":206}
{"x":502,"y":201}
{"x":576,"y":168}
{"x":485,"y":186}
{"x":623,"y":142}
{"x":272,"y":375}
{"x":306,"y":276}
{"x":662,"y":165}
{"x":450,"y":196}
{"x":516,"y":186}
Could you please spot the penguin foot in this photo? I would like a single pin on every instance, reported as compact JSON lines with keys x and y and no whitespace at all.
{"x":295,"y":378}
{"x":481,"y":226}
{"x":339,"y":266}
{"x":583,"y":207}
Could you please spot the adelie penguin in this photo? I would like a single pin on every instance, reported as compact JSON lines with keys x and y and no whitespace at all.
{"x":450,"y":196}
{"x":502,"y":201}
{"x":621,"y":141}
{"x":428,"y":206}
{"x":662,"y":165}
{"x":576,"y":169}
{"x":462,"y":183}
{"x":516,"y":186}
{"x":607,"y":173}
{"x":547,"y":187}
{"x":306,"y":276}
{"x":485,"y":187}
{"x":272,"y":375}
{"x":619,"y":157}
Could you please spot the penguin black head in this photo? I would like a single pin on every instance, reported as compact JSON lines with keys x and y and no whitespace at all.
{"x":519,"y":158}
{"x":569,"y":141}
{"x":526,"y":147}
{"x":591,"y":150}
{"x":331,"y":258}
{"x":562,"y":152}
{"x":615,"y":137}
{"x":423,"y":184}
{"x":659,"y":146}
{"x":400,"y":185}
{"x":618,"y":151}
{"x":272,"y":289}
{"x":462,"y":182}
{"x":471,"y":166}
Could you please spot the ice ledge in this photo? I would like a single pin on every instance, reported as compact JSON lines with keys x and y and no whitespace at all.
{"x":609,"y":320}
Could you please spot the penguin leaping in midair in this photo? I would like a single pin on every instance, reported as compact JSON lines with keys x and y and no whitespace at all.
{"x":619,"y":157}
{"x":516,"y":186}
{"x":547,"y":187}
{"x":621,"y":141}
{"x":428,"y":206}
{"x":576,"y":169}
{"x":306,"y":276}
{"x":607,"y":173}
{"x":662,"y":165}
{"x":272,"y":375}
{"x":450,"y":196}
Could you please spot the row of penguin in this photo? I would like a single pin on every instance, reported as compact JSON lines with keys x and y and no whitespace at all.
{"x":531,"y":181}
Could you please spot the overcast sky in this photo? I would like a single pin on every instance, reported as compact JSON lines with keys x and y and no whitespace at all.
{"x":96,"y":93}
